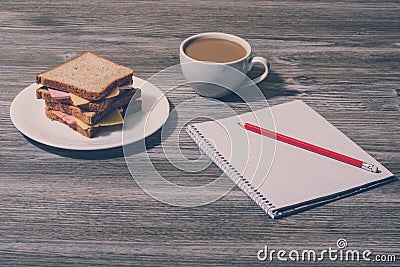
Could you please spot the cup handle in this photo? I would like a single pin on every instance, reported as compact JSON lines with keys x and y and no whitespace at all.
{"x":264,"y":62}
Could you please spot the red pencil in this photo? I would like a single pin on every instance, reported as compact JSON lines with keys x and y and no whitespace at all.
{"x":310,"y":147}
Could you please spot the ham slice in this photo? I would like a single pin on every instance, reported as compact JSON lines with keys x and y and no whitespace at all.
{"x":65,"y":117}
{"x":127,"y":86}
{"x":55,"y":94}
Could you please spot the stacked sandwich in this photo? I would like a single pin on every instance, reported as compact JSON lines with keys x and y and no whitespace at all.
{"x":88,"y":93}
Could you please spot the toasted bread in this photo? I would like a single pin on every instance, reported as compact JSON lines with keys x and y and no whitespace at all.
{"x":87,"y":75}
{"x":89,"y":132}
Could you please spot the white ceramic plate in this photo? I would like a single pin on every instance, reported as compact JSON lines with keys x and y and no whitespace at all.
{"x":27,"y":114}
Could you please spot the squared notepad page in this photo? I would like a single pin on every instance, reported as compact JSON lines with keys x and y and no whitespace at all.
{"x":283,"y":175}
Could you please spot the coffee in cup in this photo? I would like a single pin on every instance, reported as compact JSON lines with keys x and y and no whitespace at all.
{"x":215,"y":64}
{"x":215,"y":50}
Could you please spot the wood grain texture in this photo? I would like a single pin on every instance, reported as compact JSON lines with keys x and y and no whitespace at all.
{"x":62,"y":207}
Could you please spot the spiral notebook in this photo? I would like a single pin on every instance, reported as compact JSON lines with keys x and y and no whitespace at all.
{"x":283,"y":179}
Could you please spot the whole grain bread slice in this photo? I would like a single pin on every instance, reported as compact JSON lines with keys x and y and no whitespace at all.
{"x":87,"y":75}
{"x":89,"y":132}
{"x":88,"y":117}
{"x":97,"y":105}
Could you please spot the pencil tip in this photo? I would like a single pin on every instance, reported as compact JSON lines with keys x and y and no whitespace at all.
{"x":375,"y":169}
{"x":241,"y":125}
{"x":369,"y":167}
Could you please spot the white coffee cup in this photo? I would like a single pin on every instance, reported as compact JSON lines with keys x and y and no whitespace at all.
{"x":212,"y":79}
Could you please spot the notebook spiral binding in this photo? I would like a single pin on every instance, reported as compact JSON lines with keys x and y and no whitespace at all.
{"x":206,"y":146}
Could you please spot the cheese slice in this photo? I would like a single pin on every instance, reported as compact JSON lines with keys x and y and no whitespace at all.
{"x":113,"y":118}
{"x":77,"y":100}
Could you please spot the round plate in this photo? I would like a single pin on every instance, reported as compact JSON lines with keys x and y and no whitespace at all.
{"x":27,"y":114}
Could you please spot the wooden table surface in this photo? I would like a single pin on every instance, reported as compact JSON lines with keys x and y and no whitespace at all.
{"x":60,"y":207}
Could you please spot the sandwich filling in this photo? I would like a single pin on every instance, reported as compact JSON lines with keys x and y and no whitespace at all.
{"x":113,"y":118}
{"x":77,"y":100}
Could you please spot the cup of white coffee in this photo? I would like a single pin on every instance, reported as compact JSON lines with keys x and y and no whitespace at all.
{"x":216,"y":64}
